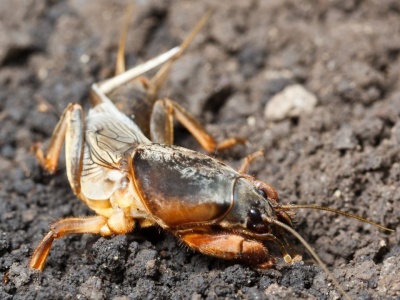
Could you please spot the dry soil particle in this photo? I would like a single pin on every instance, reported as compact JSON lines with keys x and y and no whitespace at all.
{"x":344,"y":155}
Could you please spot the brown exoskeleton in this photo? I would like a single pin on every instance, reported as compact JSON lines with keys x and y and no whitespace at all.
{"x":130,"y":174}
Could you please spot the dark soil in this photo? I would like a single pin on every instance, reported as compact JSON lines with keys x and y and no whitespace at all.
{"x":345,"y":155}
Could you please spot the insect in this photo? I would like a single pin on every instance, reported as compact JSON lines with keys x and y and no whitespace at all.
{"x":131,"y":175}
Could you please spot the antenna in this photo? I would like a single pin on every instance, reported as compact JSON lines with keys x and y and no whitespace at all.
{"x":312,"y":252}
{"x":290,"y":206}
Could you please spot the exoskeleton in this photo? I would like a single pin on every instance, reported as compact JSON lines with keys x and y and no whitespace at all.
{"x":129,"y":173}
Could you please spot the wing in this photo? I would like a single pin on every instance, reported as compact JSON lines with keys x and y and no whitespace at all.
{"x":109,"y":134}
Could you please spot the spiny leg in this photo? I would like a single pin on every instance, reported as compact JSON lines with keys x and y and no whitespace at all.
{"x":49,"y":161}
{"x":117,"y":223}
{"x":69,"y":128}
{"x":120,"y":63}
{"x":110,"y":84}
{"x":161,"y":126}
{"x":161,"y":123}
{"x":62,"y":228}
{"x":157,"y":81}
{"x":170,"y":56}
{"x":248,"y":160}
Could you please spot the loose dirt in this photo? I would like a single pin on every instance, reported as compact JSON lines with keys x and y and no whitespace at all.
{"x":345,"y":154}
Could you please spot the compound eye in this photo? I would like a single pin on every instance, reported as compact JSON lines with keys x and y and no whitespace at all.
{"x":255,"y":215}
{"x":262,"y":193}
{"x":266,"y":191}
{"x":255,"y":222}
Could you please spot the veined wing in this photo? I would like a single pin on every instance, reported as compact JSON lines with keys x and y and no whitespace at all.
{"x":108,"y":135}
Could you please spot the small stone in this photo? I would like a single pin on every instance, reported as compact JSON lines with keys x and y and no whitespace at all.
{"x":5,"y":242}
{"x":5,"y":165}
{"x":29,"y":215}
{"x":92,"y":289}
{"x":293,"y":101}
{"x":389,"y":280}
{"x":345,"y":139}
{"x":337,"y":193}
{"x":19,"y":275}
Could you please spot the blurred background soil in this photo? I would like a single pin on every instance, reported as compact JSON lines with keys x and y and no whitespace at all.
{"x":343,"y":153}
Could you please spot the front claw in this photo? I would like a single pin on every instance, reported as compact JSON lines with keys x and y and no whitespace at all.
{"x":230,"y":246}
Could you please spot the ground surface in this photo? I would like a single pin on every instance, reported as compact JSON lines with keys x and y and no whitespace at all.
{"x":345,"y":154}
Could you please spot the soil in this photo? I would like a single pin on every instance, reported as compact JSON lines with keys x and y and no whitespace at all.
{"x":344,"y":154}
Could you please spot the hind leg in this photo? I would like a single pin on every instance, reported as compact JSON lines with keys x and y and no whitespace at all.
{"x":161,"y":126}
{"x":70,"y":128}
{"x":116,"y":224}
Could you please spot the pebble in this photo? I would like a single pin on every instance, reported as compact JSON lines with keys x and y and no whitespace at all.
{"x":92,"y":289}
{"x":345,"y":139}
{"x":19,"y":275}
{"x":293,"y":101}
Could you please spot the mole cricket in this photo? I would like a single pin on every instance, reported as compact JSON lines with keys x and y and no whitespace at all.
{"x":131,"y":175}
